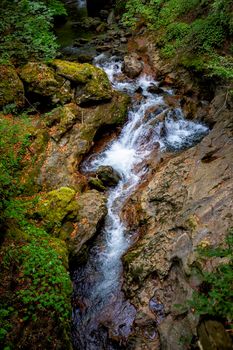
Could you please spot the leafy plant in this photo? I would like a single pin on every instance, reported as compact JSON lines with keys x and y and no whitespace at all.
{"x":46,"y":283}
{"x":215,"y":296}
{"x":26,"y":29}
{"x":198,"y":28}
{"x":14,"y":140}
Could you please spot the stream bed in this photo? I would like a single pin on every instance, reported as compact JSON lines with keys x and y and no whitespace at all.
{"x":102,"y":317}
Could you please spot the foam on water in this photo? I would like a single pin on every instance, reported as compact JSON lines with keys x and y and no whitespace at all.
{"x":128,"y":153}
{"x":142,"y":133}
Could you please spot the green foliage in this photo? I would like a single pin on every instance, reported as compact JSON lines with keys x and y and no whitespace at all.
{"x":137,"y":9}
{"x":42,"y":284}
{"x":26,"y":29}
{"x":221,"y":67}
{"x":6,"y":313}
{"x":46,"y":283}
{"x":215,"y":297}
{"x":185,"y":28}
{"x":205,"y":34}
{"x":14,"y":140}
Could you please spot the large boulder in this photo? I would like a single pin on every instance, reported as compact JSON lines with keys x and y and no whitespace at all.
{"x":90,"y":216}
{"x":57,"y":206}
{"x":11,"y":87}
{"x":72,"y":132}
{"x":71,"y":216}
{"x":41,"y":80}
{"x":133,"y":66}
{"x":92,"y":84}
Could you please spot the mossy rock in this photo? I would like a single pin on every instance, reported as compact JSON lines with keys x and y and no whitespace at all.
{"x":40,"y":79}
{"x":96,"y":184}
{"x":62,"y":119}
{"x":11,"y":87}
{"x":56,"y":206}
{"x":92,"y":82}
{"x":75,"y":72}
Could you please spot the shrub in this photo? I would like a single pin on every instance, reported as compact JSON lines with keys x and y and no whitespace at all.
{"x":215,"y":296}
{"x":14,"y":140}
{"x":26,"y":29}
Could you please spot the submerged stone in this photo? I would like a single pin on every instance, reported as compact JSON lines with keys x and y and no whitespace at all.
{"x":108,"y":176}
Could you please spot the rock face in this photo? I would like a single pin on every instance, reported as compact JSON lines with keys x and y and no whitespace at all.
{"x":11,"y":87}
{"x":187,"y":202}
{"x":212,"y":336}
{"x":90,"y":215}
{"x":72,"y":131}
{"x":132,"y":65}
{"x":71,"y":216}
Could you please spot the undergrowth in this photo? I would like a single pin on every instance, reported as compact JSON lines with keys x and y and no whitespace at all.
{"x":215,"y":294}
{"x":184,"y":29}
{"x":26,"y":29}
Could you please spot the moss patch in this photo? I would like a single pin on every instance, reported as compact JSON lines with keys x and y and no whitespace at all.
{"x":56,"y":206}
{"x":11,"y":87}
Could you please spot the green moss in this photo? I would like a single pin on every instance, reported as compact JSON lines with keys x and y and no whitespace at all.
{"x":94,"y":81}
{"x":37,"y":265}
{"x":11,"y":87}
{"x":64,"y":118}
{"x":36,"y":71}
{"x":96,"y":184}
{"x":39,"y":77}
{"x":76,"y":72}
{"x":57,"y":205}
{"x":120,"y":107}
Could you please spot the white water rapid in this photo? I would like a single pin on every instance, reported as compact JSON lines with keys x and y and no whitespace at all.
{"x":151,"y":126}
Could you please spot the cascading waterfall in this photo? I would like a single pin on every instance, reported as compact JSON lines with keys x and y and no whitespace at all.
{"x":97,"y":286}
{"x":82,"y":3}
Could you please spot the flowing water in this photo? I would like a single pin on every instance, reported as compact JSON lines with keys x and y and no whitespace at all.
{"x":81,"y":3}
{"x":101,"y":312}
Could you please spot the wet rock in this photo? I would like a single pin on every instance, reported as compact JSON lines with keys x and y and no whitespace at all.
{"x":108,"y":176}
{"x":123,"y":40}
{"x":155,"y":89}
{"x":212,"y":336}
{"x":188,"y":202}
{"x":79,"y":52}
{"x":132,"y":65}
{"x":88,"y":23}
{"x":11,"y":87}
{"x":92,"y":210}
{"x":72,"y":130}
{"x":92,"y":84}
{"x":41,"y":80}
{"x":96,"y":184}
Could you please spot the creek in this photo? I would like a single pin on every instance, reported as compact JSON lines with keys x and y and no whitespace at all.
{"x":102,"y":317}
